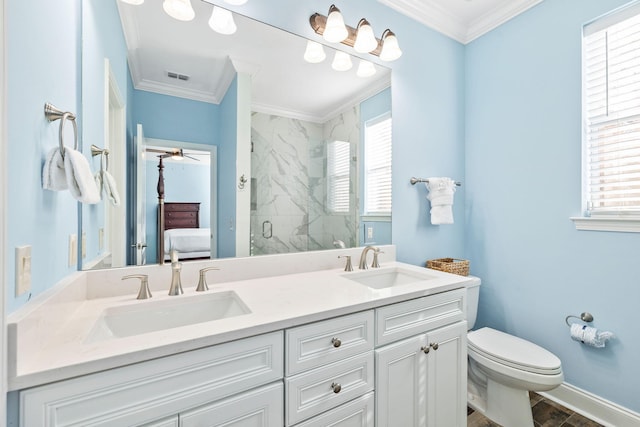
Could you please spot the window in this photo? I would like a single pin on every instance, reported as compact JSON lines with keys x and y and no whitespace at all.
{"x":611,"y":116}
{"x":377,"y":165}
{"x":338,"y":156}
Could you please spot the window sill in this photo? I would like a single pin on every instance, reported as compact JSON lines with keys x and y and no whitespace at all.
{"x":375,"y":218}
{"x":608,"y":223}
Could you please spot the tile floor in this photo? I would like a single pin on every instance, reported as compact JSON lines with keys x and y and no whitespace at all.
{"x":546,"y":413}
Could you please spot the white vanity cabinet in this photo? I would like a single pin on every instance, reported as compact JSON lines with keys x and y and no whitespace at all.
{"x":154,"y":391}
{"x":421,"y":380}
{"x":330,"y":363}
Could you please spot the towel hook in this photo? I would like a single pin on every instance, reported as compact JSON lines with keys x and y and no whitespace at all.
{"x":52,"y":114}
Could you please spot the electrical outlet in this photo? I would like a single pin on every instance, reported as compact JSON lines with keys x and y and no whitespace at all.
{"x":101,"y":238}
{"x":369,"y":232}
{"x":23,"y":269}
{"x":73,"y":250}
{"x":84,"y":245}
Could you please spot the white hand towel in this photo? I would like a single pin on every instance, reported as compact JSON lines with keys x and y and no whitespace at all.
{"x":109,"y":188}
{"x":53,"y":175}
{"x":79,"y":177}
{"x":440,"y":195}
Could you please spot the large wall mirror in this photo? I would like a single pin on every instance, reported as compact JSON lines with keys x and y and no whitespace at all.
{"x":269,"y":152}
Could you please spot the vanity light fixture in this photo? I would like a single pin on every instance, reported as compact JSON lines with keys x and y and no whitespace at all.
{"x":341,"y":61}
{"x":179,"y":9}
{"x":222,"y":22}
{"x":335,"y":31}
{"x":360,"y":38}
{"x":390,"y":47}
{"x":365,"y":69}
{"x":314,"y":53}
{"x":365,"y":40}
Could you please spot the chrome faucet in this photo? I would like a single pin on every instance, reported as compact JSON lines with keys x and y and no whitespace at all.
{"x":176,"y":268}
{"x":362,"y":265}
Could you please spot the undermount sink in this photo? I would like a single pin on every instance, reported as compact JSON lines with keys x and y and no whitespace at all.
{"x":152,"y":316}
{"x":381,"y":278}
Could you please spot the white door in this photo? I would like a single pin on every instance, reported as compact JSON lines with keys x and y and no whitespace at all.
{"x":141,"y":204}
{"x":447,"y":376}
{"x":401,"y":376}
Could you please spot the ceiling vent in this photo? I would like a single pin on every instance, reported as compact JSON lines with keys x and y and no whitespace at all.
{"x":177,"y":76}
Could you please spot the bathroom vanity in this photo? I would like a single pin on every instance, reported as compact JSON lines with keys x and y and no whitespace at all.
{"x":316,"y":348}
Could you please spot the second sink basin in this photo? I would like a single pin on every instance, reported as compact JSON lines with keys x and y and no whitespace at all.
{"x":152,"y":316}
{"x":380,"y":278}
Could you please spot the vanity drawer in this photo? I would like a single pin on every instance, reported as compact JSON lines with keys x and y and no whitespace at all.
{"x":148,"y":391}
{"x":406,"y":319}
{"x":359,"y":412}
{"x":317,"y":344}
{"x":314,"y":392}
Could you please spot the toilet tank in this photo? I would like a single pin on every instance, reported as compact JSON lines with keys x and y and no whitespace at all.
{"x":473,"y":295}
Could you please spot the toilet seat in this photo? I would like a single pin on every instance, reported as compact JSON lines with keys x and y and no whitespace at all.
{"x":513,"y":352}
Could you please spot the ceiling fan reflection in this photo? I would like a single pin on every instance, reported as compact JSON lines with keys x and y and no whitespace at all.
{"x":176,"y":154}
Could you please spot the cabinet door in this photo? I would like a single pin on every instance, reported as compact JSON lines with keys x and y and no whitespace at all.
{"x":166,"y":422}
{"x":447,"y":376}
{"x":256,"y":408}
{"x":401,"y":377}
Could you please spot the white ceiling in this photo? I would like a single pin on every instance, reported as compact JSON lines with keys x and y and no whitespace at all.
{"x":462,"y":20}
{"x":282,"y":82}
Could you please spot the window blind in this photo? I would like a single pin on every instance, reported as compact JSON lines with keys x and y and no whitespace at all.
{"x":611,"y":58}
{"x":338,"y":156}
{"x":377,"y":160}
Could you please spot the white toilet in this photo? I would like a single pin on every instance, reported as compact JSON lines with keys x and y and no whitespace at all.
{"x":503,"y":369}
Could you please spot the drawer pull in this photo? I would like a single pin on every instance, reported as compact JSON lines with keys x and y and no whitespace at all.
{"x":336,"y":387}
{"x":336,"y":342}
{"x":425,"y":349}
{"x":434,"y":345}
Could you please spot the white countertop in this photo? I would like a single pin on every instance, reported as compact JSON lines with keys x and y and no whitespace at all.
{"x":47,"y":342}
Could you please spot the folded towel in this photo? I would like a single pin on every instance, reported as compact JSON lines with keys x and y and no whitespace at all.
{"x":107,"y":185}
{"x":53,"y":175}
{"x":440,"y":195}
{"x":79,"y":177}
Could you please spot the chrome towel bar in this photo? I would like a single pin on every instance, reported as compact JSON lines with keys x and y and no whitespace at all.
{"x":414,"y":180}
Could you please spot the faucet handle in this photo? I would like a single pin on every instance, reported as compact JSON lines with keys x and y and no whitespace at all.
{"x":144,"y":292}
{"x":375,"y":263}
{"x":202,"y":283}
{"x":348,"y":266}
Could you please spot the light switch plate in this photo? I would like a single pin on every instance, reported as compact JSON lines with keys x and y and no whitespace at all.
{"x":369,"y":232}
{"x":73,"y":250}
{"x":84,"y":245}
{"x":23,"y":269}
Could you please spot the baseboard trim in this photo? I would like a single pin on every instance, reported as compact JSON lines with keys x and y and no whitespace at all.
{"x":593,"y":407}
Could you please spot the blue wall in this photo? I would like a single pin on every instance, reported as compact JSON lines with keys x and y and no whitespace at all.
{"x":523,"y":172}
{"x":43,"y":65}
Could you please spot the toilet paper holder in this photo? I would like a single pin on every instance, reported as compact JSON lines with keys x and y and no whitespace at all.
{"x":584,"y":316}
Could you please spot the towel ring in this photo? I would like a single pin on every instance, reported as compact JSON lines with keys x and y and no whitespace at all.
{"x":52,"y":114}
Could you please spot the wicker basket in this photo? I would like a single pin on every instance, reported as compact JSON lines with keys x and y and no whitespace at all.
{"x":450,"y":265}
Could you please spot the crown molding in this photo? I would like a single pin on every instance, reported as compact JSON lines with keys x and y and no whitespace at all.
{"x":444,"y":21}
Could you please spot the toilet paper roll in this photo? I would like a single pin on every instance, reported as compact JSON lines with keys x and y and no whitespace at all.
{"x":590,"y":336}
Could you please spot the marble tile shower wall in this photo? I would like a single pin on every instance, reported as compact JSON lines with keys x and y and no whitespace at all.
{"x":288,"y":169}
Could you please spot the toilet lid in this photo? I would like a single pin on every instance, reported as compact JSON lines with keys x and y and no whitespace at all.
{"x":513,"y":351}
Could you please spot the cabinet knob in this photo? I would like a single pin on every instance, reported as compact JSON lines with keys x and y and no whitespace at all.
{"x":336,"y":342}
{"x":425,"y":349}
{"x":434,"y":345}
{"x":336,"y":387}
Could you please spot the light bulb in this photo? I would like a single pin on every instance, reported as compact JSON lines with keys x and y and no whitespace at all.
{"x":342,"y":61}
{"x":365,"y":69}
{"x":390,"y":48}
{"x":335,"y":31}
{"x":179,"y":9}
{"x":221,"y":21}
{"x":365,"y":40}
{"x":236,"y":2}
{"x":135,"y":2}
{"x":314,"y":53}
